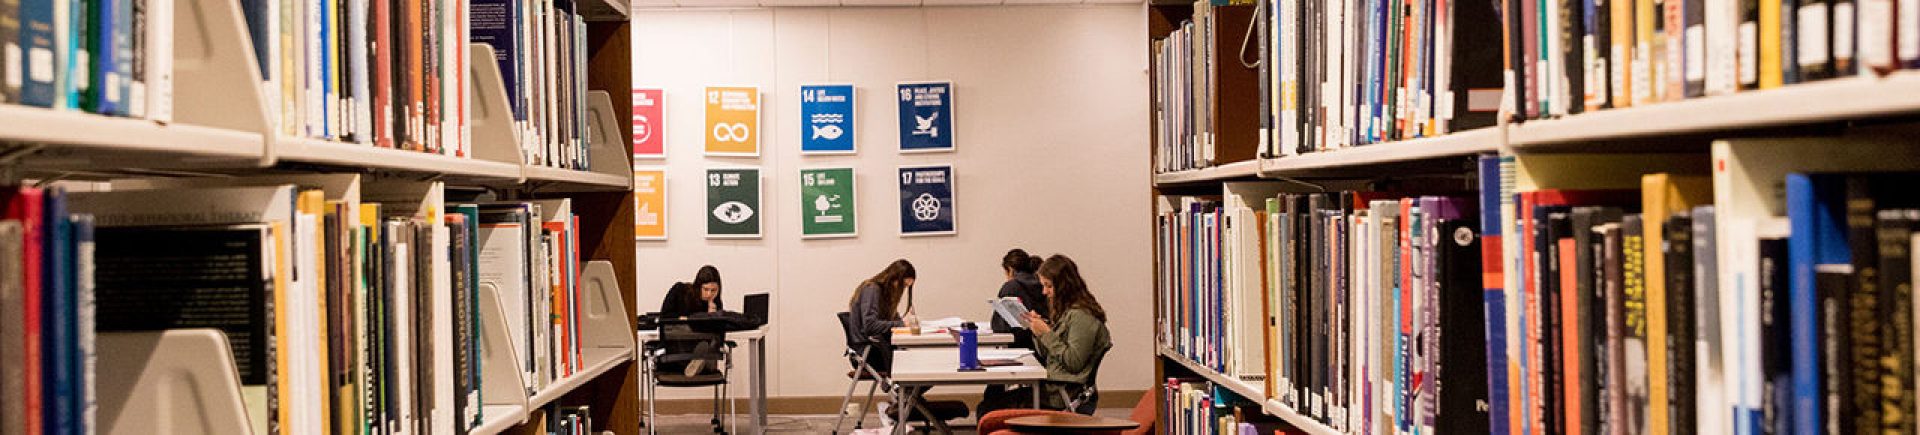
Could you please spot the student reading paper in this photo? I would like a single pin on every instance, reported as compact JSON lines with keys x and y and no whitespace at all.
{"x":876,"y":310}
{"x":1071,"y":342}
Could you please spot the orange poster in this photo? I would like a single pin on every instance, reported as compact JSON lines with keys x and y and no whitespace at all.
{"x":649,"y":204}
{"x":733,"y":121}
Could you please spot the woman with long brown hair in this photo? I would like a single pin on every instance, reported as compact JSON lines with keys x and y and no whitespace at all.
{"x":875,"y":308}
{"x":1071,"y":341}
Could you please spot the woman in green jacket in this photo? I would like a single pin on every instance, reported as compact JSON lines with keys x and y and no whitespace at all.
{"x":1072,"y":343}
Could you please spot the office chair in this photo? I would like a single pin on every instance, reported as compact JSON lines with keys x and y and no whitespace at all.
{"x":857,"y":353}
{"x":680,"y":350}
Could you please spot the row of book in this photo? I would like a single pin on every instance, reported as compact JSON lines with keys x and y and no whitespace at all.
{"x":395,"y":74}
{"x":1576,"y":56}
{"x":349,"y":308}
{"x":1323,"y":75}
{"x":1707,"y":300}
{"x":110,"y":57}
{"x":1192,"y":406}
{"x":569,"y":420}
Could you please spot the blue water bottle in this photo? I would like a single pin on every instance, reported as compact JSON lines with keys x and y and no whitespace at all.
{"x":969,"y":347}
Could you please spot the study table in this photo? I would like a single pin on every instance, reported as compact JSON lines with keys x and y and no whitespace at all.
{"x":946,"y":339}
{"x":757,"y":388}
{"x":917,"y":370}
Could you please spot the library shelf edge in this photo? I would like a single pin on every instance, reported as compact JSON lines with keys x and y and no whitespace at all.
{"x":1464,"y":143}
{"x":499,"y":418}
{"x":606,"y":333}
{"x":38,"y":125}
{"x":1298,"y":421}
{"x":1252,"y":392}
{"x":368,"y":157}
{"x":1804,"y":103}
{"x":603,"y":360}
{"x":1244,"y":169}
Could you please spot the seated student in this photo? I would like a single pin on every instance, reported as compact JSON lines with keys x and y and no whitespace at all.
{"x":702,"y":296}
{"x":1069,"y":341}
{"x":1021,"y":283}
{"x":875,"y":311}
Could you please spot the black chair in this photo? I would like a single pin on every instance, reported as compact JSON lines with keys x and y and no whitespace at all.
{"x":684,"y":356}
{"x":860,"y":356}
{"x":1088,"y":400}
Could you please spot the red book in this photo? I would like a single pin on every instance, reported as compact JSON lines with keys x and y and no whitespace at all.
{"x":1570,"y":336}
{"x":24,"y":204}
{"x":381,"y":21}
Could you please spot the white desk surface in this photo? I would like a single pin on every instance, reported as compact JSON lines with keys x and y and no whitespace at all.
{"x":942,"y":366}
{"x":944,"y":338}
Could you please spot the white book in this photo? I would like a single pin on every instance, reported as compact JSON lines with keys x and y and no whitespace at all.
{"x":504,"y":258}
{"x":442,"y":417}
{"x":316,"y":91}
{"x":158,"y":83}
{"x":399,"y":330}
{"x":1723,"y":46}
{"x":359,"y":107}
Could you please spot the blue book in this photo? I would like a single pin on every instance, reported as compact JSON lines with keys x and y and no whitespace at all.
{"x":86,"y":401}
{"x":1815,"y":207}
{"x":260,"y":14}
{"x":105,"y":94}
{"x":59,"y":337}
{"x":79,"y":37}
{"x":325,"y":62}
{"x":39,"y":60}
{"x":496,"y":23}
{"x":1494,"y":293}
{"x":360,"y":102}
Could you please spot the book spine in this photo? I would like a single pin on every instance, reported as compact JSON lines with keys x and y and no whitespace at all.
{"x":1893,"y":230}
{"x":1749,"y":56}
{"x":10,"y":52}
{"x":39,"y":61}
{"x":1635,"y":332}
{"x":1681,"y":359}
{"x":1861,"y":348}
{"x":1776,"y":354}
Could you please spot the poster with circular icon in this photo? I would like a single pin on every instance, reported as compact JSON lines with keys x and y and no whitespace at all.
{"x":649,"y":121}
{"x":926,"y":200}
{"x":733,"y":121}
{"x":733,"y":203}
{"x":827,"y":203}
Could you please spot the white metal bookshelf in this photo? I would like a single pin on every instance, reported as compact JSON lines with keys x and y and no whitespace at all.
{"x":1252,"y":390}
{"x":1465,"y":143}
{"x":1804,"y":103}
{"x":1245,"y":169}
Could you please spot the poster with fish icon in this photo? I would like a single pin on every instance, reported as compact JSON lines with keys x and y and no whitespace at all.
{"x":826,"y":119}
{"x":926,"y":117}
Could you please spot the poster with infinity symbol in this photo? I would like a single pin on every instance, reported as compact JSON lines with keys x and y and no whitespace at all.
{"x":733,"y":203}
{"x":926,"y":201}
{"x":733,"y":121}
{"x":926,"y":117}
{"x":826,"y":119}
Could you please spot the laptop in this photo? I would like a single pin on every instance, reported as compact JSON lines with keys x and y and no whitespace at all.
{"x":756,"y":306}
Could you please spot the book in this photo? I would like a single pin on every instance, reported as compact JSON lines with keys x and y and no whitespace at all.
{"x":1813,"y":209}
{"x":25,"y":205}
{"x":1661,"y":196}
{"x":1681,"y":329}
{"x":1636,"y":333}
{"x":1893,"y":230}
{"x":12,"y":330}
{"x":1011,"y":310}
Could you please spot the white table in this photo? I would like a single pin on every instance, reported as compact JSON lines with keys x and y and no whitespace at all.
{"x":917,"y":371}
{"x":945,"y":339}
{"x":757,"y":343}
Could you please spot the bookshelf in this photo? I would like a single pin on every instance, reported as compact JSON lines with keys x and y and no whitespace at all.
{"x":1835,"y":100}
{"x":222,"y":132}
{"x":1237,"y":170}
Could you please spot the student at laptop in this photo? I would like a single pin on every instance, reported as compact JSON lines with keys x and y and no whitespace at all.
{"x":1022,"y":284}
{"x":875,"y":308}
{"x":1072,"y":340}
{"x":702,"y":296}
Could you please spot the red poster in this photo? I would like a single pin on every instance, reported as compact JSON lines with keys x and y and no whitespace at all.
{"x":647,"y":124}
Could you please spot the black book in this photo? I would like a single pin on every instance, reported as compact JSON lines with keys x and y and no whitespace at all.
{"x":1476,"y":70}
{"x":1589,"y":306}
{"x":1268,"y":128}
{"x":1636,"y":400}
{"x":1894,"y":229}
{"x":1776,"y":340}
{"x":1681,"y":360}
{"x":155,"y":278}
{"x":1693,"y":14}
{"x":1815,"y":62}
{"x":1301,"y":308}
{"x":1599,"y":35}
{"x":460,"y":244}
{"x":1612,"y":357}
{"x":1516,"y":55}
{"x":1461,"y":378}
{"x":1749,"y":47}
{"x":1549,"y":223}
{"x":1832,"y":284}
{"x":1861,"y":317}
{"x":1573,"y":28}
{"x":1317,"y":305}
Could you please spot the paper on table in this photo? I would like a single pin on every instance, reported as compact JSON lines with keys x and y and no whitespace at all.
{"x":945,"y":323}
{"x":1004,"y":353}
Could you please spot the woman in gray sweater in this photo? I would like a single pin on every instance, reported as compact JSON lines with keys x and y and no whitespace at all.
{"x":875,"y":308}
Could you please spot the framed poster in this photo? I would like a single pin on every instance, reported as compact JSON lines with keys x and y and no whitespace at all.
{"x":649,"y":122}
{"x":649,"y":204}
{"x":926,"y":201}
{"x":733,"y":121}
{"x":826,"y":117}
{"x":827,"y":198}
{"x":926,"y":116}
{"x":733,"y":203}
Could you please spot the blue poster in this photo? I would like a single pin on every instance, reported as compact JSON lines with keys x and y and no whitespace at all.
{"x":826,"y":113}
{"x":926,"y":117}
{"x":926,"y":200}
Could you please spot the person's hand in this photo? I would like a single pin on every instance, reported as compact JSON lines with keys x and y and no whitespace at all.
{"x":1038,"y":324}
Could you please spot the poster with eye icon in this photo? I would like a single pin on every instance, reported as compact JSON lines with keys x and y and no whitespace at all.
{"x":733,"y":203}
{"x":826,"y":119}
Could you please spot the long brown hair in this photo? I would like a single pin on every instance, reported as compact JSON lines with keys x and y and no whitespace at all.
{"x":892,"y":282}
{"x":707,"y":274}
{"x":1069,"y":290}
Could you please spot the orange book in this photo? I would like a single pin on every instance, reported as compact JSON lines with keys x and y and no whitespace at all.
{"x":414,"y":42}
{"x":1571,"y":351}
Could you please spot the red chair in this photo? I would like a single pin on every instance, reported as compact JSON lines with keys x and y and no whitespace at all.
{"x":1146,"y":412}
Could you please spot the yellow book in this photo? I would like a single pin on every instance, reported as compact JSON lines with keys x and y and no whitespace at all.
{"x":282,"y":269}
{"x":1621,"y":58}
{"x":1662,"y":195}
{"x":1769,"y":24}
{"x":1644,"y":75}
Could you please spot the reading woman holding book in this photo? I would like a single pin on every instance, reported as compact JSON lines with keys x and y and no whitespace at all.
{"x":1070,"y":342}
{"x":1022,"y":284}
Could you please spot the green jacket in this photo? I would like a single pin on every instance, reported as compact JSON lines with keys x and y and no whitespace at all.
{"x":1073,"y":349}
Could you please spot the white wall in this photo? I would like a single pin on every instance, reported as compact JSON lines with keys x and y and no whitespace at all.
{"x":1052,"y":157}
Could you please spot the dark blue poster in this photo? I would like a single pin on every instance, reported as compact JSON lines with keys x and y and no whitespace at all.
{"x":826,"y":116}
{"x":926,"y":200}
{"x":926,"y":117}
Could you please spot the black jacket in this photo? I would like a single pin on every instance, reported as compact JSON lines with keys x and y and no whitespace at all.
{"x":680,"y":303}
{"x":870,"y":320}
{"x":1026,"y":287}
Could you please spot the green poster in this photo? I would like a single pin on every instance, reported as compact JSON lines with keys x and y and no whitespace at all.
{"x":733,"y":203}
{"x":826,"y":200}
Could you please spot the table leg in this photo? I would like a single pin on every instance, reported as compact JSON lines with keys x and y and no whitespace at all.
{"x":902,"y":404}
{"x":760,"y":384}
{"x":1036,"y":394}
